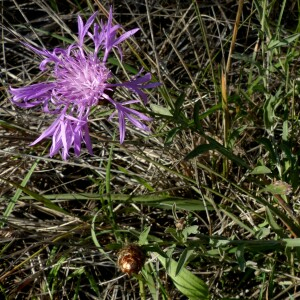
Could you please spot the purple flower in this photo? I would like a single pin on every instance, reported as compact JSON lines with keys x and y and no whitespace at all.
{"x":80,"y":80}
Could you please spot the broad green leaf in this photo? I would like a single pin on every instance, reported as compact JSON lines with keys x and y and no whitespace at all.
{"x":245,"y":58}
{"x":161,"y":110}
{"x":196,"y":116}
{"x":190,"y":230}
{"x":269,"y":111}
{"x":292,"y":242}
{"x":261,"y":170}
{"x":285,"y":130}
{"x":186,"y":282}
{"x":217,"y":243}
{"x":277,"y":188}
{"x":177,"y":235}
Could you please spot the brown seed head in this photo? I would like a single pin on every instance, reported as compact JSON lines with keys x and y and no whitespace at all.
{"x":131,"y":259}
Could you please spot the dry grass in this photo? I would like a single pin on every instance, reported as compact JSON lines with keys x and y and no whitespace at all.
{"x":69,"y":251}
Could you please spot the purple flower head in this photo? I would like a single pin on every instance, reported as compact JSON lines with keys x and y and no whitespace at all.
{"x":80,"y":80}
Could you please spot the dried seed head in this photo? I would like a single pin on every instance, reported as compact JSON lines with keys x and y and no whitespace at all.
{"x":180,"y":224}
{"x":131,"y":259}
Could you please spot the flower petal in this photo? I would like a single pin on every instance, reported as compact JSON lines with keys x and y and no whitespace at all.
{"x":82,"y":29}
{"x":39,"y":91}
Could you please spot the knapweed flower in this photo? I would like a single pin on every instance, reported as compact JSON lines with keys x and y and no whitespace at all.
{"x":79,"y":80}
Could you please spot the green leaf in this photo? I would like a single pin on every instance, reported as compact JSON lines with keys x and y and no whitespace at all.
{"x":150,"y":277}
{"x":37,"y":197}
{"x":186,"y":282}
{"x":188,"y":205}
{"x":277,"y":188}
{"x":245,"y":58}
{"x":269,"y":147}
{"x":161,"y":201}
{"x":199,"y":150}
{"x":171,"y":134}
{"x":214,"y":145}
{"x":261,"y":170}
{"x":274,"y":43}
{"x":270,"y":106}
{"x":17,"y":195}
{"x":144,"y":236}
{"x":139,"y":179}
{"x":239,"y":254}
{"x":184,"y":257}
{"x":198,"y":117}
{"x":262,"y":233}
{"x":272,"y":222}
{"x":269,"y":111}
{"x":178,"y":105}
{"x":217,"y":243}
{"x":210,"y":111}
{"x":93,"y":283}
{"x":161,"y":110}
{"x":190,"y":230}
{"x":237,"y":220}
{"x":292,"y":242}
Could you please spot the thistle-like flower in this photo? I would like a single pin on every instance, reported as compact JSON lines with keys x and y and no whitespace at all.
{"x":79,"y":81}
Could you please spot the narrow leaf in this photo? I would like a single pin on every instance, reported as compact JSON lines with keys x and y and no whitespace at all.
{"x":178,"y":105}
{"x":37,"y":197}
{"x":144,"y":236}
{"x":184,"y":257}
{"x":199,"y":150}
{"x":186,"y":282}
{"x":171,"y":135}
{"x":239,"y":254}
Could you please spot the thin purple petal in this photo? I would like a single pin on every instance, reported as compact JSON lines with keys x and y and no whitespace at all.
{"x":41,"y":92}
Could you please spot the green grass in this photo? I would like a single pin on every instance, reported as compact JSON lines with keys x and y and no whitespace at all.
{"x":211,"y":195}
